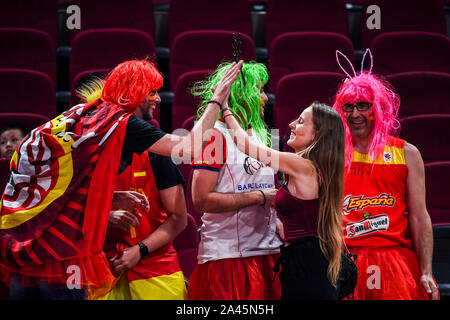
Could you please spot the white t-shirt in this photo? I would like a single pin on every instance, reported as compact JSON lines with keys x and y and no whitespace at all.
{"x":250,"y":231}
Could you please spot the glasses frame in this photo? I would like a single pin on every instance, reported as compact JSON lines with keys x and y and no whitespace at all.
{"x":357,"y":106}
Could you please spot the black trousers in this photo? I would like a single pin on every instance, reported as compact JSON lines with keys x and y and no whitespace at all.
{"x":304,"y":270}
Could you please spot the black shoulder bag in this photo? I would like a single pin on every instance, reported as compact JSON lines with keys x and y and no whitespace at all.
{"x":348,"y":275}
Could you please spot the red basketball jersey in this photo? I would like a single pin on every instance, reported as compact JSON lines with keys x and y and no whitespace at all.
{"x":375,"y":198}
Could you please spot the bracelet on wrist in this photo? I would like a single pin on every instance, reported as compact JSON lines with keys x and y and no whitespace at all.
{"x":143,"y":249}
{"x":230,"y":114}
{"x":264,"y":196}
{"x":216,"y":102}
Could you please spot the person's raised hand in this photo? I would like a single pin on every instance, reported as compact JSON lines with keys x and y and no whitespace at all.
{"x":222,"y":89}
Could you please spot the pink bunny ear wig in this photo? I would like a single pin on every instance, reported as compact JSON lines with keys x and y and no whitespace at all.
{"x":368,"y":87}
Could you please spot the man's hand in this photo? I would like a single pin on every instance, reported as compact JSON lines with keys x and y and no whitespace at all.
{"x":123,"y":219}
{"x":428,"y":283}
{"x":128,"y":200}
{"x":129,"y":258}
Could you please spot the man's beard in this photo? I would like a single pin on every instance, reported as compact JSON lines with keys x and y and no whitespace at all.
{"x":146,"y":114}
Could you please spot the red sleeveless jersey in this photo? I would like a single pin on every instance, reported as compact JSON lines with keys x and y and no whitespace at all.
{"x":164,"y":261}
{"x":375,"y":198}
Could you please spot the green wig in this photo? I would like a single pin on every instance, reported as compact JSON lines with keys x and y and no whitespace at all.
{"x":245,"y":99}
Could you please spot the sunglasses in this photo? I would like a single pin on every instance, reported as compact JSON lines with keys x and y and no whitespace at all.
{"x":360,"y":106}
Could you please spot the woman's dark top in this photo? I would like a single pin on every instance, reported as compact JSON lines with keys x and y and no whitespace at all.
{"x":299,"y":216}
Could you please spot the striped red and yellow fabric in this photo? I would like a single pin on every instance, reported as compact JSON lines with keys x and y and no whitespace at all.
{"x":158,"y":277}
{"x":55,"y":207}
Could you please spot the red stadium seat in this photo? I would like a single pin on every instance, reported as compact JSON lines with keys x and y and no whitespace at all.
{"x":232,"y":15}
{"x":429,"y":133}
{"x":35,"y":14}
{"x":306,"y":51}
{"x":304,"y":15}
{"x":30,"y":49}
{"x":422,"y":92}
{"x":27,"y":91}
{"x":204,"y":50}
{"x":411,"y":51}
{"x":403,"y":15}
{"x":27,"y":121}
{"x":437,"y":176}
{"x":297,"y":91}
{"x":184,"y":104}
{"x":131,"y":14}
{"x":99,"y":49}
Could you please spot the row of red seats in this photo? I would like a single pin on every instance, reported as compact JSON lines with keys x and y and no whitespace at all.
{"x":196,"y":53}
{"x":282,"y":16}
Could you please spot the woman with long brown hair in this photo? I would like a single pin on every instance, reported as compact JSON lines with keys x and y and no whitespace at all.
{"x":310,"y":202}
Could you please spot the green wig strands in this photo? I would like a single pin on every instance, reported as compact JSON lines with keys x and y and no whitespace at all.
{"x":245,"y":101}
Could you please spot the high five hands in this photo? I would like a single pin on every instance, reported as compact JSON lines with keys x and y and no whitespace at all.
{"x":221,"y":91}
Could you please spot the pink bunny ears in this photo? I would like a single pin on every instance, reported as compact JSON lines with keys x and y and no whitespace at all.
{"x":338,"y":54}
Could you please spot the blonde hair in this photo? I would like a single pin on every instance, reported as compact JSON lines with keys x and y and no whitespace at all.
{"x":91,"y":90}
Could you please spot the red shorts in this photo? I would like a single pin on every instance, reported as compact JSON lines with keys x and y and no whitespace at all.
{"x":388,"y":273}
{"x":248,"y":278}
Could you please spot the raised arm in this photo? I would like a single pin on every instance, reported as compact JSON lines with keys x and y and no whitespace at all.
{"x":287,"y":162}
{"x":419,"y":219}
{"x":189,"y":147}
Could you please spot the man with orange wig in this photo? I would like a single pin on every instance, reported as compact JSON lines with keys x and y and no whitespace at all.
{"x":384,"y":177}
{"x":55,"y":208}
{"x":156,"y":273}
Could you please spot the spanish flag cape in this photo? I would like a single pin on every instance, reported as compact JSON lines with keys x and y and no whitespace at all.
{"x":55,"y":208}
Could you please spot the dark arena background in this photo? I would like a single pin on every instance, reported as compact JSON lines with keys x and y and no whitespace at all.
{"x":49,"y":48}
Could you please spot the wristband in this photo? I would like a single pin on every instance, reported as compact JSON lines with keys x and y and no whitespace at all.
{"x":264,"y":197}
{"x":143,"y":249}
{"x":230,"y":114}
{"x":216,"y":102}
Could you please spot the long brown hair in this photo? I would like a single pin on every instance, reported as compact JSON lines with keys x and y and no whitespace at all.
{"x":327,"y":153}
